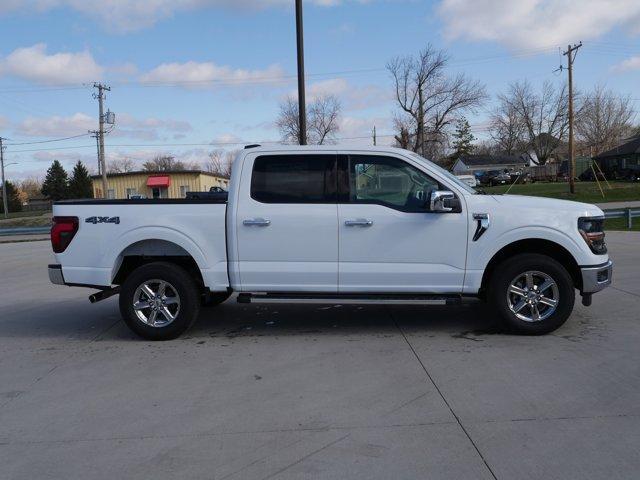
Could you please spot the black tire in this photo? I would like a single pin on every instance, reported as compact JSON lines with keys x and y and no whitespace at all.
{"x":183,"y":284}
{"x":509,"y":270}
{"x":213,"y":299}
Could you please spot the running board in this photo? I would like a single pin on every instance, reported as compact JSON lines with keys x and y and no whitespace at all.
{"x":350,"y":299}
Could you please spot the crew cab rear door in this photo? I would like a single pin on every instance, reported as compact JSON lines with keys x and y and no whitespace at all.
{"x":287,"y":223}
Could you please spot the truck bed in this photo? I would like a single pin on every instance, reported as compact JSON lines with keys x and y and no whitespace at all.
{"x":110,"y":230}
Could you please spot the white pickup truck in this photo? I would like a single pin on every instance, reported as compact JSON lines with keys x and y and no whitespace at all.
{"x":331,"y":224}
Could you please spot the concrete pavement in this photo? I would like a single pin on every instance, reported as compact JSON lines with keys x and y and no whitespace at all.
{"x":307,"y":391}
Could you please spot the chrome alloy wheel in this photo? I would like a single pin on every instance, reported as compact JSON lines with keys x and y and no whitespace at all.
{"x":533,"y":296}
{"x":156,"y":303}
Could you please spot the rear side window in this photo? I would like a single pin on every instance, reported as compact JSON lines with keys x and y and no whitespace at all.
{"x":294,"y":179}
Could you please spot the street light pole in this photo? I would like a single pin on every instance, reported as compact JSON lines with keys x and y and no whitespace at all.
{"x":302,"y":110}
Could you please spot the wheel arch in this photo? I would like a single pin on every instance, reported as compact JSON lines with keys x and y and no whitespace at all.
{"x":533,"y":245}
{"x":152,"y":250}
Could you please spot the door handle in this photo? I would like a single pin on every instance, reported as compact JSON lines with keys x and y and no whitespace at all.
{"x":256,"y":222}
{"x":360,"y":222}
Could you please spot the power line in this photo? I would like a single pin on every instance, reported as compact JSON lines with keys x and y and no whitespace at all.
{"x":48,"y":141}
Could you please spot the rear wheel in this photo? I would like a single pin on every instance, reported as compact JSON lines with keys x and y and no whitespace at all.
{"x":159,"y":301}
{"x":533,"y":293}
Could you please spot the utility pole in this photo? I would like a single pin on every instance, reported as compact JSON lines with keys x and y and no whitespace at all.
{"x":302,"y":109}
{"x":374,"y":136}
{"x":4,"y":184}
{"x":571,"y":56}
{"x":100,"y":96}
{"x":96,"y":135}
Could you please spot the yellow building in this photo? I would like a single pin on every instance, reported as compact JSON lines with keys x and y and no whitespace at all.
{"x":173,"y":184}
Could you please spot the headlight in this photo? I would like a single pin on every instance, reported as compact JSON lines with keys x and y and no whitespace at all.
{"x":592,"y":230}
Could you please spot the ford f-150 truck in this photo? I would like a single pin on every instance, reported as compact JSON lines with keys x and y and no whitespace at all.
{"x":331,"y":224}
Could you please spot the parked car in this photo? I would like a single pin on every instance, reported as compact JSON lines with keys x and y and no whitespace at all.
{"x":338,"y":225}
{"x":519,"y":176}
{"x":484,"y":177}
{"x":629,"y":174}
{"x":469,"y":180}
{"x":500,"y":178}
{"x":214,"y":193}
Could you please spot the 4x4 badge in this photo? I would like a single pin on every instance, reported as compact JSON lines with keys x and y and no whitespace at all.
{"x":96,"y":220}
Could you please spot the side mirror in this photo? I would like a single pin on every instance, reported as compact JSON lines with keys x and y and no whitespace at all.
{"x":443,"y":201}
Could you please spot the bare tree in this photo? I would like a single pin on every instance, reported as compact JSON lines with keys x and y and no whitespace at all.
{"x":488,"y":147}
{"x":32,"y":187}
{"x":604,"y":118}
{"x":406,"y":131}
{"x":543,"y":114}
{"x":163,"y":163}
{"x":220,"y":162}
{"x":322,"y":121}
{"x":323,"y":118}
{"x":507,"y":130}
{"x":431,"y":98}
{"x":122,"y":165}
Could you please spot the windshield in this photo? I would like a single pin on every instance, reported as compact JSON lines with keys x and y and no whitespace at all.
{"x":446,"y":174}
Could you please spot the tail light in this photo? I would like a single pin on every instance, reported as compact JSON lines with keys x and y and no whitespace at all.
{"x":62,"y":232}
{"x":592,"y":231}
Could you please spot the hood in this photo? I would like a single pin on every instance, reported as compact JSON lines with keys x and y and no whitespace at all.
{"x":550,"y":204}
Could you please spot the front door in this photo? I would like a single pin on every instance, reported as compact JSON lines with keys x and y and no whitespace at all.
{"x":287,"y":223}
{"x":389,"y":241}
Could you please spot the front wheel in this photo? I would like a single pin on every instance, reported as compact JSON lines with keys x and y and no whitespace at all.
{"x":159,"y":301}
{"x":533,"y":293}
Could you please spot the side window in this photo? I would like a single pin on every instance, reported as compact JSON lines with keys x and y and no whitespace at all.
{"x":294,"y":179}
{"x":389,"y":181}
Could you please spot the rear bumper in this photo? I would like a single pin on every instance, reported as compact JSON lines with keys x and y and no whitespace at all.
{"x":597,"y":277}
{"x":55,"y":274}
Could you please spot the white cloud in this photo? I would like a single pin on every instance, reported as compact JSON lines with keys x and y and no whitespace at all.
{"x":56,"y":126}
{"x":333,"y":86}
{"x":33,"y":63}
{"x":131,"y":15}
{"x":352,"y":97}
{"x":536,"y":23}
{"x":362,"y":127}
{"x":127,"y":126}
{"x":205,"y":74}
{"x":227,"y":138}
{"x":631,"y":63}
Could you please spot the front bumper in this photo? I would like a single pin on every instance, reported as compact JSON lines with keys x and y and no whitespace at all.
{"x":55,"y":274}
{"x":596,"y":278}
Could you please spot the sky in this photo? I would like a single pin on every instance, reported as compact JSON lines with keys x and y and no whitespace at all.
{"x":191,"y":76}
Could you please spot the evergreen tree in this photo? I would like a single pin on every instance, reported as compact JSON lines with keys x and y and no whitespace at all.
{"x":56,"y":184}
{"x":80,"y":185}
{"x":15,"y":205}
{"x":463,"y":138}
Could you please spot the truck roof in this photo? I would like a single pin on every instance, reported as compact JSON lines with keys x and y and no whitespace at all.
{"x":321,"y":148}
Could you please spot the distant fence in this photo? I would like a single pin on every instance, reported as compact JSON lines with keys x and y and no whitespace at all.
{"x":628,"y":213}
{"x":24,"y":231}
{"x":37,"y":206}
